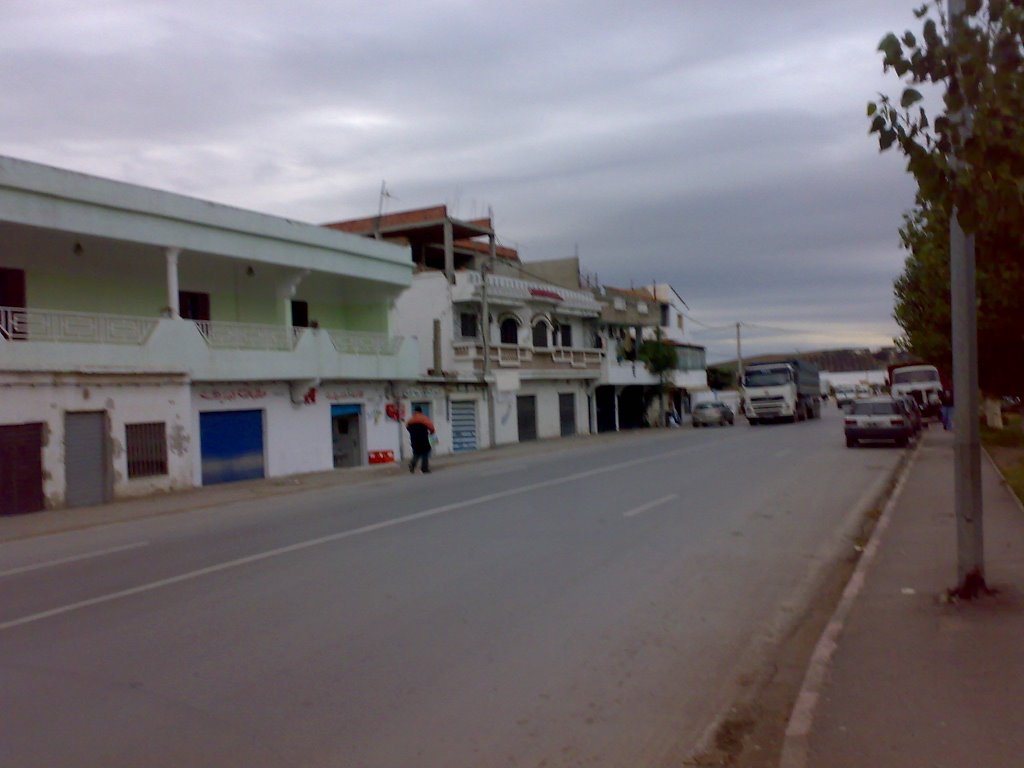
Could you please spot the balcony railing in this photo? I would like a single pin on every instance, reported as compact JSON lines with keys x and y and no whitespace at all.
{"x":363,"y":343}
{"x":221,"y":335}
{"x":520,"y":356}
{"x":19,"y":324}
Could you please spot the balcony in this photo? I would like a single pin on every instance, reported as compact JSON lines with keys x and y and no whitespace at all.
{"x":546,"y":360}
{"x":42,"y":340}
{"x":220,"y":335}
{"x":19,"y":324}
{"x":511,"y":291}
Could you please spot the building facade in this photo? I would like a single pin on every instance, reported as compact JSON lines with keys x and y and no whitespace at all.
{"x":504,"y":356}
{"x":152,"y":342}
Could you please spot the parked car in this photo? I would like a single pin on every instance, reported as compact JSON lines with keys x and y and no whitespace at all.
{"x":706,"y":414}
{"x":845,"y":395}
{"x":877,"y":418}
{"x":913,"y":411}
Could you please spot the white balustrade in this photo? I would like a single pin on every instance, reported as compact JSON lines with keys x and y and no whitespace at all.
{"x":364,"y":343}
{"x":19,"y":324}
{"x":222,"y":335}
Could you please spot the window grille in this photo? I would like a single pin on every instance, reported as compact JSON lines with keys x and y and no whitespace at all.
{"x":146,"y":446}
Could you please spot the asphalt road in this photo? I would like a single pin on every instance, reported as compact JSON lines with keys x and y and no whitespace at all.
{"x":581,"y":607}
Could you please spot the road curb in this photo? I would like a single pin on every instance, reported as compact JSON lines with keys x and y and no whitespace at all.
{"x":792,"y":612}
{"x":1002,"y":477}
{"x":798,"y":729}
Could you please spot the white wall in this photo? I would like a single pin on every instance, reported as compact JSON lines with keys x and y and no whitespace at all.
{"x":440,"y":397}
{"x":838,"y":378}
{"x":426,"y":300}
{"x":297,"y":437}
{"x":548,"y":422}
{"x":124,"y":402}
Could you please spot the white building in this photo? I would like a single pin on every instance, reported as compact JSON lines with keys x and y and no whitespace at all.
{"x":151,"y":342}
{"x":523,"y":370}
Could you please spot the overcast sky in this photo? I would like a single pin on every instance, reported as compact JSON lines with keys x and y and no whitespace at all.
{"x":718,"y":146}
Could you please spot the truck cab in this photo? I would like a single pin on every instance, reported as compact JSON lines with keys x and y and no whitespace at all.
{"x":921,"y":382}
{"x":785,"y":390}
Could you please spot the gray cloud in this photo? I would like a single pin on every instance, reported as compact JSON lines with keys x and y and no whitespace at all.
{"x":721,"y":147}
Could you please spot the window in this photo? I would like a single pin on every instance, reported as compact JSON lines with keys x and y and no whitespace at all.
{"x":665,"y":316}
{"x":565,"y":335}
{"x":146,"y":447}
{"x":679,"y":321}
{"x":509,"y":331}
{"x":691,"y":358}
{"x":194,"y":305}
{"x":467,"y":325}
{"x":300,"y":314}
{"x":540,"y":334}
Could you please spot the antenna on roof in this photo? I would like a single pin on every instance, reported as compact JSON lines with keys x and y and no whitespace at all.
{"x":384,"y":193}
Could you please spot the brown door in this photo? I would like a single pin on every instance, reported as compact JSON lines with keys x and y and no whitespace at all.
{"x":12,"y":296}
{"x":21,"y":468}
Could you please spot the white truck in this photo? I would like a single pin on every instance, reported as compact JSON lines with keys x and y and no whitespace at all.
{"x":788,"y":390}
{"x":919,"y":381}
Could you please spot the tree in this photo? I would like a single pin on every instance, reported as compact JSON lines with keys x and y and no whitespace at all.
{"x":971,"y":157}
{"x":659,"y":357}
{"x":721,"y":378}
{"x":922,"y":306}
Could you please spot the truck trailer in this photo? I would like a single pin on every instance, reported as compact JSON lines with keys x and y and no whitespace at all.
{"x":781,"y":390}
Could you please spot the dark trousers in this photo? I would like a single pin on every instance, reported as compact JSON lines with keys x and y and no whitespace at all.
{"x":418,"y":457}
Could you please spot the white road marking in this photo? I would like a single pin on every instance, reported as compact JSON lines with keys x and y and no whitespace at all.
{"x":74,"y":559}
{"x":650,"y":505}
{"x":229,"y":564}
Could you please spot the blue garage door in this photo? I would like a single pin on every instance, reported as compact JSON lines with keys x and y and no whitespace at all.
{"x":231,"y":445}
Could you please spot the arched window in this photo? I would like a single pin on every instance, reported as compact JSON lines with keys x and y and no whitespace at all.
{"x":509,"y":331}
{"x":540,"y":334}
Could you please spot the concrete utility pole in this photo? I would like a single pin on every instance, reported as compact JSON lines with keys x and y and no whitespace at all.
{"x":739,"y":357}
{"x":966,"y":438}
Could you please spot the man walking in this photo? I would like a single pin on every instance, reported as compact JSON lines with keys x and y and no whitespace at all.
{"x":420,"y":429}
{"x":946,"y":399}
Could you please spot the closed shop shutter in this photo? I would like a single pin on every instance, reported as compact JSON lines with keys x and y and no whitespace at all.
{"x":21,"y":468}
{"x":231,"y":446}
{"x":526,"y":415}
{"x":567,"y":413}
{"x":464,"y":425}
{"x":86,"y":465}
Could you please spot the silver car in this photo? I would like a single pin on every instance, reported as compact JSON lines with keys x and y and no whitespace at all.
{"x":706,"y":414}
{"x":877,"y":418}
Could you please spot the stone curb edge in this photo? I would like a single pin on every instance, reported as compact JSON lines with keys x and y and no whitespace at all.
{"x":798,"y":729}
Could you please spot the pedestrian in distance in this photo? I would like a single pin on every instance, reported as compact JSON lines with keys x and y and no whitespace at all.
{"x":420,"y":428}
{"x":946,"y":401}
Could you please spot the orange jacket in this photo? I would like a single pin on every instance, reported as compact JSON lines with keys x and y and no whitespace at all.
{"x":420,"y":418}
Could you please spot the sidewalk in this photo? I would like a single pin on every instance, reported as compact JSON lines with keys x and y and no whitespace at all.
{"x":57,"y":520}
{"x":914,"y":680}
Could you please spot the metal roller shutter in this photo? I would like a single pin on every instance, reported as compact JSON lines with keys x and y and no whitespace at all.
{"x":464,"y":425}
{"x":567,"y":413}
{"x":86,"y":466}
{"x":526,"y":416}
